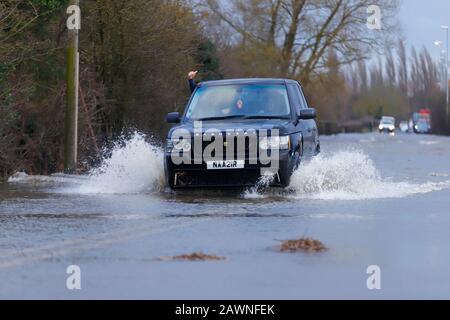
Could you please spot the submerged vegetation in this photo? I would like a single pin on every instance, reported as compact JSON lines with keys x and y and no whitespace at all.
{"x":198,"y":256}
{"x":302,"y":245}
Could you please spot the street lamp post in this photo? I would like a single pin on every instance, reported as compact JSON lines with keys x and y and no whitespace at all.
{"x":441,"y":64}
{"x":446,"y":74}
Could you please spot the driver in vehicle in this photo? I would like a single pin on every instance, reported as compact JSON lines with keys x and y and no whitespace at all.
{"x":238,"y":110}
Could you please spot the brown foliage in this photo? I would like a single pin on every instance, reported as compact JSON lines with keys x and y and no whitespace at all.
{"x":142,"y":49}
{"x":134,"y":56}
{"x":299,"y":32}
{"x":194,"y":257}
{"x":304,"y":244}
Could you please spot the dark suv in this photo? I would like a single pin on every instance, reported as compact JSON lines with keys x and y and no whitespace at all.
{"x":235,"y":132}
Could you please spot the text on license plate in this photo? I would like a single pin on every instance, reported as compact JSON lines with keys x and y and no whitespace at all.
{"x":228,"y":164}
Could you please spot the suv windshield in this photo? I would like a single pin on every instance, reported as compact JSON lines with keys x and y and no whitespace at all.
{"x":236,"y":101}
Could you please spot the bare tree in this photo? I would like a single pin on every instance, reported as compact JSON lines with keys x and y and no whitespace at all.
{"x":376,"y":74}
{"x":362,"y":74}
{"x":402,"y":68}
{"x":391,"y":72}
{"x":424,"y":75}
{"x":416,"y":75}
{"x":302,"y":31}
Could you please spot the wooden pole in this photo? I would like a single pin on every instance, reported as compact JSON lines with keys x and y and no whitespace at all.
{"x":72,"y":78}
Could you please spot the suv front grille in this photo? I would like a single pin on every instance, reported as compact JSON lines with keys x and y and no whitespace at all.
{"x":217,"y":178}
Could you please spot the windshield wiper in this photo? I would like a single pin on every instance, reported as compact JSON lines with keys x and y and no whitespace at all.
{"x":221,"y":118}
{"x":267,"y":117}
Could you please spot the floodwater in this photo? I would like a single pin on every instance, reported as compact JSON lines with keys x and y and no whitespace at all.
{"x":371,"y":199}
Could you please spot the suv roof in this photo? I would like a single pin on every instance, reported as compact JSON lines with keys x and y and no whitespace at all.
{"x":247,"y":81}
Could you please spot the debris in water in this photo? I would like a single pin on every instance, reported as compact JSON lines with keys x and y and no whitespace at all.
{"x":197,"y":256}
{"x":304,"y":244}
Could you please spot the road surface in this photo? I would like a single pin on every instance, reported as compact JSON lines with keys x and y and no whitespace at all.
{"x":373,"y":200}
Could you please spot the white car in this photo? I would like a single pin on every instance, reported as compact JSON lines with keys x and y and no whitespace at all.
{"x":387,"y":124}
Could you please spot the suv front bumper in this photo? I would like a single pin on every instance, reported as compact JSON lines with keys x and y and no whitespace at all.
{"x":198,"y":176}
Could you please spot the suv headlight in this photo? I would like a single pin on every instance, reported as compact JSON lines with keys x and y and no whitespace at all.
{"x":178,"y":145}
{"x":274,"y":143}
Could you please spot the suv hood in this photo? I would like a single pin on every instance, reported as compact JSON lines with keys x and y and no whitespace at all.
{"x":223,"y":126}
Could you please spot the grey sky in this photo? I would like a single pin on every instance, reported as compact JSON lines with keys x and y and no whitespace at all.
{"x":421,"y":21}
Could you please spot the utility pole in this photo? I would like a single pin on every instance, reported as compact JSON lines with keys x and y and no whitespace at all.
{"x":441,"y":64}
{"x":72,"y":79}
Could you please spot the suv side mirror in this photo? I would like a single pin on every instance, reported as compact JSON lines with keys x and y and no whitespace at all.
{"x":173,"y":117}
{"x":307,"y":114}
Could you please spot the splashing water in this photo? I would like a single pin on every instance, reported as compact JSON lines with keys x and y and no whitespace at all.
{"x":257,"y":192}
{"x":135,"y":166}
{"x":351,"y":175}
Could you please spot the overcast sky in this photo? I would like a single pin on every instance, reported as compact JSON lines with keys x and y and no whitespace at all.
{"x":421,"y":22}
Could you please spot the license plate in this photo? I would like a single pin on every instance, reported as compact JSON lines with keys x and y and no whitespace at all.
{"x":228,"y":164}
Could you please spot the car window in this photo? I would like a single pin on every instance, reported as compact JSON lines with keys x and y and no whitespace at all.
{"x":239,"y":100}
{"x":295,"y":96}
{"x":303,"y":101}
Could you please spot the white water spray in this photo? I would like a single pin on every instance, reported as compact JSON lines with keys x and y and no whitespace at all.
{"x":135,"y":166}
{"x":351,"y":175}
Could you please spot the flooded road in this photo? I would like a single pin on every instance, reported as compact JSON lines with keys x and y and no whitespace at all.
{"x":371,"y":199}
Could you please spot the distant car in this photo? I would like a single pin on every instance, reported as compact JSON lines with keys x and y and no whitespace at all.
{"x":404,"y":126}
{"x":422,"y":126}
{"x":387,"y":125}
